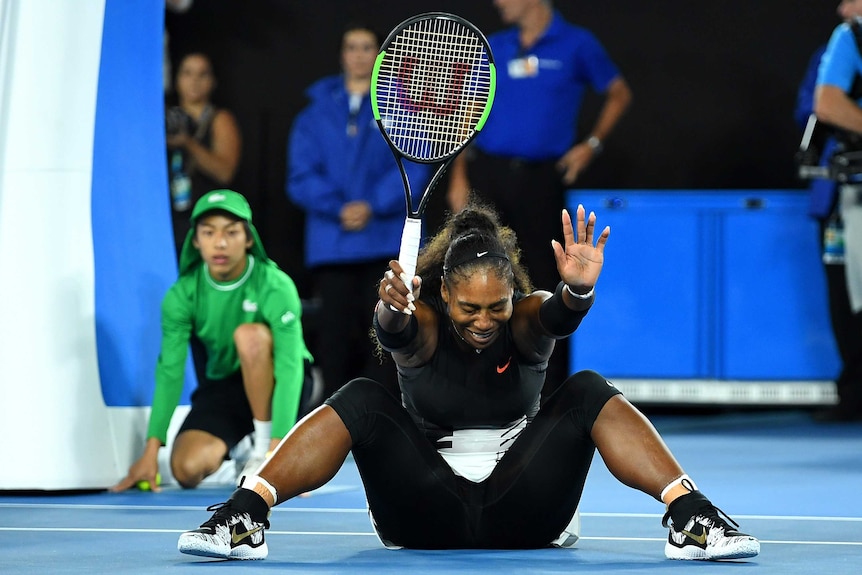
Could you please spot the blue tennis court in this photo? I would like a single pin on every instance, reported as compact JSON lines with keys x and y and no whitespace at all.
{"x":792,"y":483}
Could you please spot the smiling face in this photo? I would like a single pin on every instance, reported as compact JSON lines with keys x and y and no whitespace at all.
{"x":479,"y":306}
{"x":223,"y":243}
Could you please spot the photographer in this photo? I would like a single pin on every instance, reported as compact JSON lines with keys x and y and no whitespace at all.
{"x":834,"y":104}
{"x":204,"y":142}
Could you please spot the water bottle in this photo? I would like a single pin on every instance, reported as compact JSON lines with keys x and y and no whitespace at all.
{"x":181,"y":185}
{"x":833,"y":241}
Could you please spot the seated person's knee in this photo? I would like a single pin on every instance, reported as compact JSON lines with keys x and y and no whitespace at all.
{"x":366,"y":388}
{"x":187,"y":473}
{"x":586,"y":377}
{"x":253,"y":340}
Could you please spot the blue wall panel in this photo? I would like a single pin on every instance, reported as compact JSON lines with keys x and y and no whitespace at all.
{"x":132,"y":235}
{"x":707,"y":284}
{"x":643,"y":323}
{"x":775,"y":319}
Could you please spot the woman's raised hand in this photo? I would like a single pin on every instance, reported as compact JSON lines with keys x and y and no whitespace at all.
{"x":579,"y":261}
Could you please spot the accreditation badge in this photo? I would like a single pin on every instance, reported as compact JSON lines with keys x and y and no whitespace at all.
{"x":526,"y":67}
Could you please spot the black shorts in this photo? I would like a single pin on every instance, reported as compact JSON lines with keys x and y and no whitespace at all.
{"x":220,"y":407}
{"x":419,"y":502}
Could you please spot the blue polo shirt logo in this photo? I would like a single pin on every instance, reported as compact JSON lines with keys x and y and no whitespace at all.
{"x":526,"y":67}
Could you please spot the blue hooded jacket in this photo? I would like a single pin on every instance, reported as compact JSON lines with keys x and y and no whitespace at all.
{"x":824,"y":193}
{"x":328,"y":168}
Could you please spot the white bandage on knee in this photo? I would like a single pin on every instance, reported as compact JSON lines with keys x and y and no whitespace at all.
{"x":252,"y":481}
{"x":683,"y":480}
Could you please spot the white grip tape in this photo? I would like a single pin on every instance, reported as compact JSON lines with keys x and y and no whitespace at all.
{"x":409,"y":253}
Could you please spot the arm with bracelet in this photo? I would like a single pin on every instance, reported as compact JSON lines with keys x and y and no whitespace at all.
{"x":543,"y":317}
{"x":579,"y":261}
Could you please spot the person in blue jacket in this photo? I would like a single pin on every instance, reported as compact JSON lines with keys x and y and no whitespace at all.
{"x":836,"y":102}
{"x":824,"y":192}
{"x":342,"y":174}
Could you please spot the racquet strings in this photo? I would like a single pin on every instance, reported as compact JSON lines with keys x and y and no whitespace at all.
{"x":433,"y":86}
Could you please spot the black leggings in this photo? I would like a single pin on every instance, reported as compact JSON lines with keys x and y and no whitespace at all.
{"x":419,"y":502}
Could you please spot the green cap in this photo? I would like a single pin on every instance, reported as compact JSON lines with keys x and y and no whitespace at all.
{"x":231,"y":202}
{"x":227,"y":200}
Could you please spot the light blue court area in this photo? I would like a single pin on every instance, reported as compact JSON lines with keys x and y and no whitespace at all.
{"x":794,"y":484}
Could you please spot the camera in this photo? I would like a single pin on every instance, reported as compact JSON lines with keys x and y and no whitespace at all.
{"x":845,"y":153}
{"x":176,"y":121}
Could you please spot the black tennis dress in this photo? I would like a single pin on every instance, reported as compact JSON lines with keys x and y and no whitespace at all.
{"x":466,"y":458}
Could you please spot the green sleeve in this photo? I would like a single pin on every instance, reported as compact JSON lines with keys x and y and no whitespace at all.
{"x":171,"y":366}
{"x":282,"y":310}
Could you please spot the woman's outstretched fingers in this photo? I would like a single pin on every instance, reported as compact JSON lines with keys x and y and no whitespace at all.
{"x":591,"y":226}
{"x":603,"y":239}
{"x":568,"y":231}
{"x":582,"y":228}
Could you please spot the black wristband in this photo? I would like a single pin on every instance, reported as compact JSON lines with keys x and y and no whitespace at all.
{"x":395,"y":341}
{"x":556,"y":317}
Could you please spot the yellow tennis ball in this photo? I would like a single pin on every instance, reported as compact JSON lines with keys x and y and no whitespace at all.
{"x":144,"y":485}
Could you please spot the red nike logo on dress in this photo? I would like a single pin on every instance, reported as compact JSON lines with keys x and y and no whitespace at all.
{"x":504,"y":367}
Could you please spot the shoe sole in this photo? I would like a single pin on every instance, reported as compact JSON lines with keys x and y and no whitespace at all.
{"x":199,"y":548}
{"x":742,"y":550}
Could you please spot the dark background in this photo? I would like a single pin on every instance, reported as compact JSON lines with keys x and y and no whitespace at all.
{"x":714,"y":88}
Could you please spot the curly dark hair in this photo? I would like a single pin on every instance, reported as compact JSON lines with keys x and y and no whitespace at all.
{"x":448,"y":256}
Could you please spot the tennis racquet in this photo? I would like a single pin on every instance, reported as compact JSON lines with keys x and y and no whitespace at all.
{"x":431,"y":91}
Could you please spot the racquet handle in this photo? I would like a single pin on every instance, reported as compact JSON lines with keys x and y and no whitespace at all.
{"x":409,"y":253}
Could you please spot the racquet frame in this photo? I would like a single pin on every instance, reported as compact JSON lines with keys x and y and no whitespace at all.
{"x":451,"y":118}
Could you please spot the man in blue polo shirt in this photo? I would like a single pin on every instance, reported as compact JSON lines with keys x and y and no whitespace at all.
{"x":839,"y":69}
{"x":529,"y":152}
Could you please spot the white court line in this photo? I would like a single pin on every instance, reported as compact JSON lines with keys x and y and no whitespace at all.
{"x":755,"y":517}
{"x":126,"y":530}
{"x":168,"y":508}
{"x":357,"y":510}
{"x":371,"y":534}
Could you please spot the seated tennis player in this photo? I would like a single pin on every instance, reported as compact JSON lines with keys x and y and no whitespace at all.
{"x":467,"y":457}
{"x":246,"y":313}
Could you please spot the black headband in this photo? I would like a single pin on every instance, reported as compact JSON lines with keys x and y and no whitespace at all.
{"x":469,"y":257}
